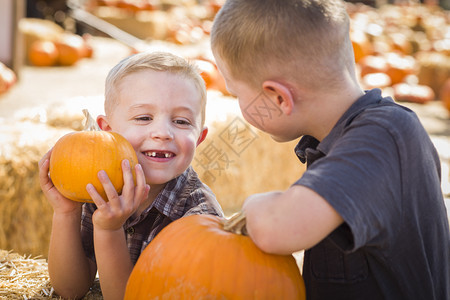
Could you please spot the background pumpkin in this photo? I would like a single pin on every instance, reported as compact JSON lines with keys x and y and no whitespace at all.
{"x":196,"y":258}
{"x":7,"y":78}
{"x":71,"y":49}
{"x":361,"y":44}
{"x":208,"y":72}
{"x":43,"y":53}
{"x":77,"y":157}
{"x":445,"y":94}
{"x":413,"y":93}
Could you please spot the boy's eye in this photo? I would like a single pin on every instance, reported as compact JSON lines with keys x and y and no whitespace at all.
{"x":143,"y":118}
{"x":182,"y":122}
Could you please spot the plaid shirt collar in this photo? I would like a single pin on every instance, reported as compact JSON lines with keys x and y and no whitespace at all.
{"x":167,"y":201}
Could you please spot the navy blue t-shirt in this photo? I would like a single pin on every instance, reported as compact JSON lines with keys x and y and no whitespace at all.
{"x":380,"y":171}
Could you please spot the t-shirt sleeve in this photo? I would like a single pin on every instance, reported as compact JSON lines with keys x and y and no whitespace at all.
{"x":360,"y":179}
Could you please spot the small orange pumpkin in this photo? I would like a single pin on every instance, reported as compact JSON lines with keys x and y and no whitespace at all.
{"x":196,"y":258}
{"x":373,"y":64}
{"x":399,"y":66}
{"x":77,"y":157}
{"x":208,"y":71}
{"x":43,"y":53}
{"x":71,"y":48}
{"x":416,"y":93}
{"x":7,"y":78}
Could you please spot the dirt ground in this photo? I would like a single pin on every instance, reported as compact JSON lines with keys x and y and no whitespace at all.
{"x":40,"y":87}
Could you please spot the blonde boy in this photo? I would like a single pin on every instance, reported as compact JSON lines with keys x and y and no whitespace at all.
{"x":369,"y":210}
{"x":157,"y":102}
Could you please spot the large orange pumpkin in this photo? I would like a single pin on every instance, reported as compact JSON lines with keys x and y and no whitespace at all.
{"x":196,"y":258}
{"x":77,"y":157}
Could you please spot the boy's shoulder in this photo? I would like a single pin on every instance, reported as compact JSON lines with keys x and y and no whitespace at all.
{"x":377,"y":119}
{"x":374,"y":109}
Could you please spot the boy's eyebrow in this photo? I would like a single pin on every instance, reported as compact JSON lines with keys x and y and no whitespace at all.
{"x":151,"y":106}
{"x":141,"y":105}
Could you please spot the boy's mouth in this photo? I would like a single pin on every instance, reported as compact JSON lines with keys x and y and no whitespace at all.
{"x":159,"y":154}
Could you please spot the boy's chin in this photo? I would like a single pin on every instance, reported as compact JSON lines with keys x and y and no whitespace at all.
{"x":155,"y":182}
{"x":280,"y":139}
{"x":160,"y":180}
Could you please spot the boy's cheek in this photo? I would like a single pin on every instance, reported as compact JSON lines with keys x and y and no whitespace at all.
{"x":130,"y":136}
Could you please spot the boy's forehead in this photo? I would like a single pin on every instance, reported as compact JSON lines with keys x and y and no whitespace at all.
{"x":178,"y":102}
{"x":178,"y":106}
{"x":159,"y":84}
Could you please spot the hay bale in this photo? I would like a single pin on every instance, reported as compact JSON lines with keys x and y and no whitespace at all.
{"x":25,"y":214}
{"x":144,"y":25}
{"x":23,"y":277}
{"x":434,"y":69}
{"x":62,"y":114}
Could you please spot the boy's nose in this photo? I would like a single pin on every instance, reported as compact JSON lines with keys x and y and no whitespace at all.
{"x":161,"y":131}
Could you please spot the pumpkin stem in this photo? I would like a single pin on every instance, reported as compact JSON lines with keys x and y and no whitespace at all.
{"x":90,"y":124}
{"x":236,"y":224}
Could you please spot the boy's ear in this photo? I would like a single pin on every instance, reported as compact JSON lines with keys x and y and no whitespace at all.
{"x":280,"y":94}
{"x":103,"y":123}
{"x":203,"y":135}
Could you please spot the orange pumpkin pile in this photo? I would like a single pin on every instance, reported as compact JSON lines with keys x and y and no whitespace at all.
{"x":66,"y":50}
{"x":397,"y":48}
{"x":177,"y":21}
{"x":77,"y":157}
{"x":196,"y":258}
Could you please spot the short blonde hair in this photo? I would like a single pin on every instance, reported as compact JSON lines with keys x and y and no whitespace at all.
{"x":264,"y":39}
{"x":156,"y":61}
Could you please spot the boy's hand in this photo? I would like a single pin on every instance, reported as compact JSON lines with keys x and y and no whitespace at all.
{"x":59,"y":203}
{"x":112,"y":215}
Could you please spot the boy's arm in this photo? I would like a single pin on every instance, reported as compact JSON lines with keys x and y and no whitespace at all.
{"x":114,"y":262}
{"x":71,"y":272}
{"x":290,"y":221}
{"x":113,"y":259}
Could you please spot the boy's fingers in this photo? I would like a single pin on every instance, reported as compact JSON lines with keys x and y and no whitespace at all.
{"x":44,"y":167}
{"x":109,"y":188}
{"x":44,"y":180}
{"x":45,"y":157}
{"x":128,"y":182}
{"x":142,"y":188}
{"x":98,"y":200}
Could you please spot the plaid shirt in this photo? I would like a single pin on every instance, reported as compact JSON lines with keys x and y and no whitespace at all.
{"x":182,"y":196}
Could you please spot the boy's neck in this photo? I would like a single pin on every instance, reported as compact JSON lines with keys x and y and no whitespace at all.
{"x":330,"y":108}
{"x":152,"y":194}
